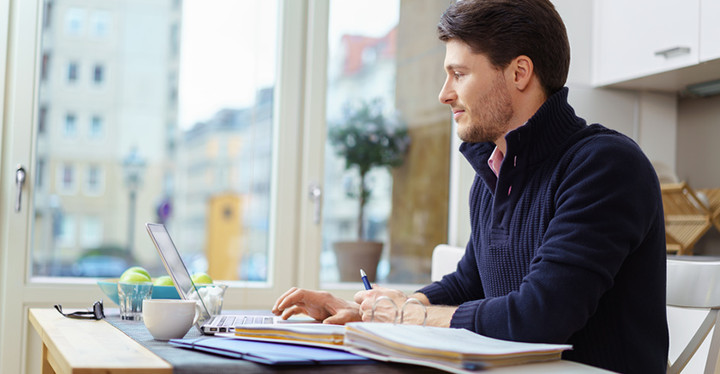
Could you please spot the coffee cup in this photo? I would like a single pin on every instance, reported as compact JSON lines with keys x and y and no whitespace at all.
{"x":168,"y":319}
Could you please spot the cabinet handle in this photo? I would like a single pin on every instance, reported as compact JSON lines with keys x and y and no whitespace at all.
{"x":673,"y":52}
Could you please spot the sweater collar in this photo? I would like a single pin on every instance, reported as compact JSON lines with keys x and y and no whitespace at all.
{"x":543,"y":133}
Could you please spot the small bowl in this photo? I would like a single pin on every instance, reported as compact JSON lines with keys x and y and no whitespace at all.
{"x":109,"y":288}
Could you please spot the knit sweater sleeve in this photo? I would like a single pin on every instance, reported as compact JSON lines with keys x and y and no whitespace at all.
{"x":457,"y":287}
{"x":605,"y":204}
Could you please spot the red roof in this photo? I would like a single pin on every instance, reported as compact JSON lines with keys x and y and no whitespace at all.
{"x":357,"y":45}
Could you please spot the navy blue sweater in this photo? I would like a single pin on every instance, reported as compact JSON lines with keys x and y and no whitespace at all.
{"x":573,"y":253}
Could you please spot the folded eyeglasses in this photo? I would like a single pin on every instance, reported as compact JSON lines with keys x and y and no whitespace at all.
{"x":97,"y":312}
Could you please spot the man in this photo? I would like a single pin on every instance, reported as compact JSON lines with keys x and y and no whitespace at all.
{"x":567,"y":242}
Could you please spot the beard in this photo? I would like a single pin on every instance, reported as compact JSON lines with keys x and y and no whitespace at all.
{"x":492,"y":120}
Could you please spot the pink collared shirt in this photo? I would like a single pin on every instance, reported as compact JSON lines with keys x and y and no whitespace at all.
{"x":495,"y":160}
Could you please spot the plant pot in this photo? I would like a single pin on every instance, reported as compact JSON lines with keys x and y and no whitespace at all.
{"x":353,"y":256}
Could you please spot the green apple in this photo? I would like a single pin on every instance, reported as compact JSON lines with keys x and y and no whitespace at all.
{"x":133,"y":277}
{"x":201,"y":278}
{"x":163,"y":280}
{"x":135,"y":274}
{"x":138,"y":269}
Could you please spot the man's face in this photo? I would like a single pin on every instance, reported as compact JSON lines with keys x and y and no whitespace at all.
{"x":477,"y":94}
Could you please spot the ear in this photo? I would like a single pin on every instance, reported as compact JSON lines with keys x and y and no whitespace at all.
{"x":522,"y":70}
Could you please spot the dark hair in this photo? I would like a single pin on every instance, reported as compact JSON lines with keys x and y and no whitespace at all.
{"x":505,"y":29}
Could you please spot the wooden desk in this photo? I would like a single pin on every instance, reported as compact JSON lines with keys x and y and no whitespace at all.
{"x":88,"y":346}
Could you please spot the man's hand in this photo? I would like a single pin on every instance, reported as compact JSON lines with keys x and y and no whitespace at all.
{"x":320,"y":305}
{"x":414,"y":314}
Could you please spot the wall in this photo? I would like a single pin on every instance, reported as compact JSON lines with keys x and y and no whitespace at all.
{"x":698,"y":154}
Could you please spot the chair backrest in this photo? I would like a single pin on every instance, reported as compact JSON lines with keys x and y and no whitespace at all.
{"x":444,"y":260}
{"x":693,"y":295}
{"x":687,"y":217}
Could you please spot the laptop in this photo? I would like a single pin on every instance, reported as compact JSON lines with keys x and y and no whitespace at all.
{"x":206,"y":323}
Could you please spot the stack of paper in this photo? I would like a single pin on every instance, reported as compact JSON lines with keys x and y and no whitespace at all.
{"x":300,"y":333}
{"x":443,"y":348}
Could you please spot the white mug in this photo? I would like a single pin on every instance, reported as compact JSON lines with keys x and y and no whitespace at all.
{"x":168,"y":319}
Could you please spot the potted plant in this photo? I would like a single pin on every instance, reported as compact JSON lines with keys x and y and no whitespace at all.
{"x":366,"y":139}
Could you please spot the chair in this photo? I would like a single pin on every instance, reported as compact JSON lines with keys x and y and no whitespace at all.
{"x":444,"y":260}
{"x":713,"y":197}
{"x":693,"y":285}
{"x":687,"y":218}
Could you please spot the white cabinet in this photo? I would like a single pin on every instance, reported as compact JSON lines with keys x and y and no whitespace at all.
{"x":638,"y":38}
{"x":709,"y":30}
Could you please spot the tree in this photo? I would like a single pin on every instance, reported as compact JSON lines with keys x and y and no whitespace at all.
{"x":367,"y":138}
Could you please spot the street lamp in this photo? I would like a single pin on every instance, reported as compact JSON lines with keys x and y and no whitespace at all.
{"x":133,"y":167}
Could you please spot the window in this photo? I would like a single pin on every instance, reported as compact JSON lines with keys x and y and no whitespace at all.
{"x":98,"y":74}
{"x":100,"y":24}
{"x":72,"y":72}
{"x":40,"y":173}
{"x":161,"y":119}
{"x":75,"y":21}
{"x":66,"y":237}
{"x":45,"y":66}
{"x":97,"y":128}
{"x":376,"y":221}
{"x":91,"y":232}
{"x":174,"y":40}
{"x":94,"y":180}
{"x":66,"y":179}
{"x":42,"y":120}
{"x":47,"y":14}
{"x":70,"y":129}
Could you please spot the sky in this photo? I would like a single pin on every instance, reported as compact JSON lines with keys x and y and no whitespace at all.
{"x":228,"y":48}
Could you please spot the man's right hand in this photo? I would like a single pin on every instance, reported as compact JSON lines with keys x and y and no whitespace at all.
{"x":320,"y":305}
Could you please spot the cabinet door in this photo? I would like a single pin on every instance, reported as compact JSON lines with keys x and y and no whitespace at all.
{"x":643,"y":37}
{"x":709,"y":30}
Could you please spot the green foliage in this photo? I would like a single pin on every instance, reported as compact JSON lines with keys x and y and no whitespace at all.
{"x":367,"y":138}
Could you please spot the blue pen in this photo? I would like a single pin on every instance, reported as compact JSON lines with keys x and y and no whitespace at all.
{"x":365,"y":280}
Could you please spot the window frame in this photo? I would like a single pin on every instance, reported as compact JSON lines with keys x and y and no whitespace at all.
{"x":20,"y":51}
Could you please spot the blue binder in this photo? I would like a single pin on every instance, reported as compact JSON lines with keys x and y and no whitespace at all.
{"x":270,"y":353}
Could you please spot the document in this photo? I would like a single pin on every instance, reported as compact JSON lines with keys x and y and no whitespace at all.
{"x":450,"y":349}
{"x":298,"y":333}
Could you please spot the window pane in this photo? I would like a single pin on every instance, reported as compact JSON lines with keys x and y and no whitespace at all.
{"x":179,"y":132}
{"x":387,"y":154}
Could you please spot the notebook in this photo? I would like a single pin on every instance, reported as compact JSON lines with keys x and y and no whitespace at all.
{"x":177,"y":270}
{"x":450,"y":349}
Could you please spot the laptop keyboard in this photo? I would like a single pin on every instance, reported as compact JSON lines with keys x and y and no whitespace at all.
{"x":227,"y":323}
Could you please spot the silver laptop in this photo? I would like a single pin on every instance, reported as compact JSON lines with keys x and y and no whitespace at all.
{"x":175,"y":266}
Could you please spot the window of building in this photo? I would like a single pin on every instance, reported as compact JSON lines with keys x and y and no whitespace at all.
{"x":98,"y":74}
{"x":91,"y":232}
{"x":40,"y":174}
{"x":47,"y":14}
{"x":45,"y":66}
{"x":75,"y":21}
{"x":70,"y":128}
{"x":94,"y":180}
{"x":66,"y":179}
{"x":97,"y":127}
{"x":66,"y":236}
{"x":100,"y":23}
{"x":42,"y":119}
{"x":72,"y":72}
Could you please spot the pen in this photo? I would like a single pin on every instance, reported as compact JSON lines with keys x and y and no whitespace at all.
{"x":365,"y":280}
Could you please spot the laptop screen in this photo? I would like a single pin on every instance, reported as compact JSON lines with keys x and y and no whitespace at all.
{"x":175,"y":266}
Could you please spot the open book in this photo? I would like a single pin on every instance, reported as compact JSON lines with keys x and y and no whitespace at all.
{"x":448,"y":349}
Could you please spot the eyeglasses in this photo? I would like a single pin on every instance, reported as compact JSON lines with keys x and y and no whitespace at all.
{"x":97,"y":312}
